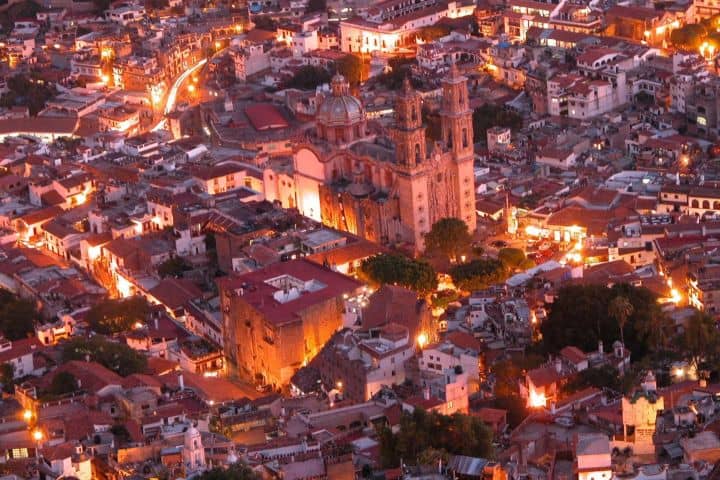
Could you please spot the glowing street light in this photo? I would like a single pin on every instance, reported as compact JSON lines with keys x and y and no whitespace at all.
{"x":218,"y":45}
{"x":37,"y":435}
{"x":422,"y":340}
{"x":27,"y":415}
{"x":191,"y":88}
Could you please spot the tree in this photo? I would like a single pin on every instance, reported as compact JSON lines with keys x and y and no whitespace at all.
{"x":63,"y":383}
{"x":512,"y":258}
{"x":17,"y":316}
{"x":236,"y":471}
{"x":579,"y":316}
{"x":308,"y":77}
{"x":450,"y":237}
{"x":620,"y":309}
{"x":116,"y":316}
{"x":400,"y":270}
{"x":7,"y":377}
{"x":352,"y":68}
{"x":173,"y":267}
{"x":430,"y":435}
{"x":433,"y":32}
{"x":605,"y":376}
{"x":317,"y":5}
{"x":689,"y":37}
{"x":400,"y":68}
{"x":701,"y":340}
{"x":27,"y":91}
{"x":490,"y":115}
{"x":478,"y":274}
{"x":114,"y":356}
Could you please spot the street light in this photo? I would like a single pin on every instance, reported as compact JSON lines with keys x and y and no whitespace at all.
{"x":27,"y":415}
{"x":37,"y":435}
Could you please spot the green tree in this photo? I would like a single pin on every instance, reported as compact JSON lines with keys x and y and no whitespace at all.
{"x":63,"y":383}
{"x":490,"y":115}
{"x":689,"y":37}
{"x":605,"y":376}
{"x":700,"y":340}
{"x":450,"y":237}
{"x":512,"y":258}
{"x":317,"y":6}
{"x":236,"y":471}
{"x":425,"y":435}
{"x":114,"y":356}
{"x":400,"y":68}
{"x":7,"y":377}
{"x":352,"y":68}
{"x":433,"y":32}
{"x":579,"y":316}
{"x":116,"y":316}
{"x":308,"y":77}
{"x":18,"y":316}
{"x":173,"y":267}
{"x":478,"y":274}
{"x":620,"y":309}
{"x":27,"y":91}
{"x":400,"y":270}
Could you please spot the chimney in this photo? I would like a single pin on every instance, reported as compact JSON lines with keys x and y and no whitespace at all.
{"x":558,"y":365}
{"x":181,"y":382}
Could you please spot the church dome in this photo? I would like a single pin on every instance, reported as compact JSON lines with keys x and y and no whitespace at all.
{"x":340,"y":108}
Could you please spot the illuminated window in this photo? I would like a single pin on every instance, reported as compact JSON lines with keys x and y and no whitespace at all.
{"x":702,"y":121}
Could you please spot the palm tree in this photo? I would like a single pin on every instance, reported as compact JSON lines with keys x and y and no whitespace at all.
{"x":620,"y":309}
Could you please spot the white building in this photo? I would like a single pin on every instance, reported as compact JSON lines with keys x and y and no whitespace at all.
{"x":593,"y":457}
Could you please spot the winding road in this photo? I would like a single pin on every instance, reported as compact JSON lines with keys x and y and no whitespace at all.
{"x":172,"y":93}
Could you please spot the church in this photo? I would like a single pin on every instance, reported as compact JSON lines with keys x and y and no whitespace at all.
{"x":389,"y":188}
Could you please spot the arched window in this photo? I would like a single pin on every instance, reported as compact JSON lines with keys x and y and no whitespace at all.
{"x":695,"y":204}
{"x":464,"y":137}
{"x":413,"y":114}
{"x":418,"y":157}
{"x":706,"y":204}
{"x":449,"y":139}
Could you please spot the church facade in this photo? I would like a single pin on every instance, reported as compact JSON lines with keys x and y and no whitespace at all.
{"x":391,"y":188}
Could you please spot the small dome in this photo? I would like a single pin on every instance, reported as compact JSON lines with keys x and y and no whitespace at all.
{"x":340,"y":109}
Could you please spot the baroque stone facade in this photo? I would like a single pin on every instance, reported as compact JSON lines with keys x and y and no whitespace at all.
{"x":390,"y":188}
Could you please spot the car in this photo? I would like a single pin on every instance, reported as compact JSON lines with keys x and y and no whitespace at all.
{"x":499,"y":244}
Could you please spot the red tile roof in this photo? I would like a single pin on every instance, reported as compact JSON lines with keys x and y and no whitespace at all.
{"x":264,"y":116}
{"x":260,"y":294}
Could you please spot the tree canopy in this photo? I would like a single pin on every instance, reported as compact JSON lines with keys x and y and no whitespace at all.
{"x":424,"y":435}
{"x":450,"y":237}
{"x":115,"y":316}
{"x":114,"y":356}
{"x":236,"y":471}
{"x":579,"y":316}
{"x":308,"y":77}
{"x":514,"y":258}
{"x":488,"y":116}
{"x":433,"y":32}
{"x":26,"y":91}
{"x":17,"y":316}
{"x":352,"y":68}
{"x":173,"y":267}
{"x":399,"y":70}
{"x":63,"y":383}
{"x":400,"y":270}
{"x":478,"y":274}
{"x":317,"y":5}
{"x":689,"y":36}
{"x":700,"y":341}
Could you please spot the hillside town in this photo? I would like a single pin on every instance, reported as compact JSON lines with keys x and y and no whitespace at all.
{"x":353,"y":239}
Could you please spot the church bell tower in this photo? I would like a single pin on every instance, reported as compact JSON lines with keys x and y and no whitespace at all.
{"x":409,"y":133}
{"x":456,"y":116}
